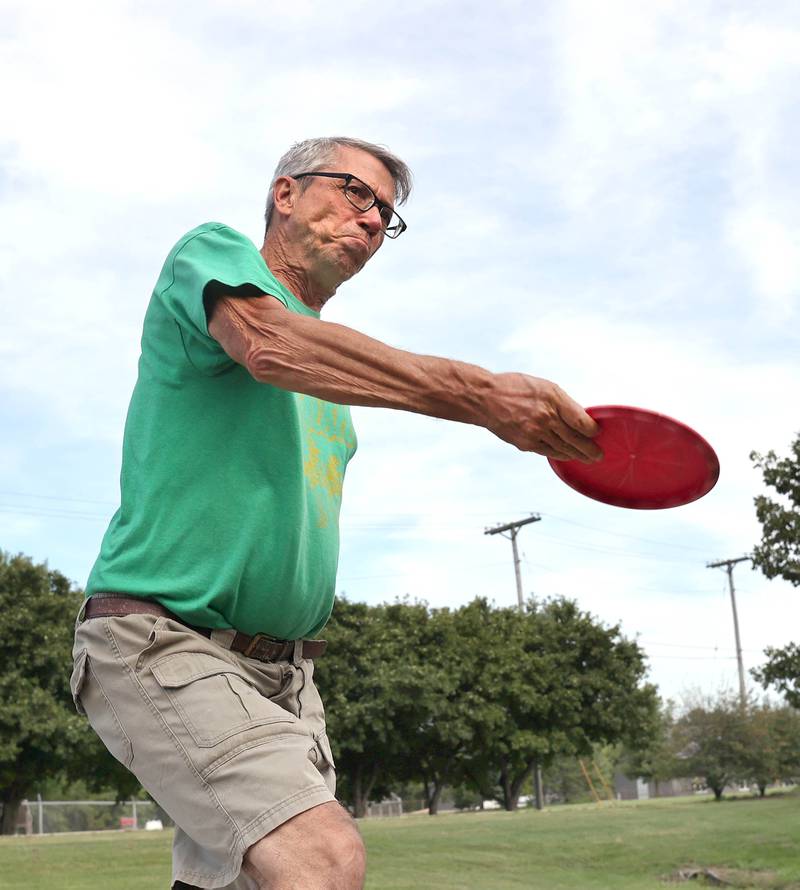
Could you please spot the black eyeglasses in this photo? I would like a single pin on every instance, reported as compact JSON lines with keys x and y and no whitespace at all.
{"x":361,"y":196}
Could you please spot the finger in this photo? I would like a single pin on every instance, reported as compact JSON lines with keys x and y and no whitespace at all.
{"x":552,"y":453}
{"x":553,"y":446}
{"x":576,"y":418}
{"x":582,"y":447}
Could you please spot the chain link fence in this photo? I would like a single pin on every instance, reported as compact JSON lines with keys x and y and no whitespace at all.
{"x":55,"y":816}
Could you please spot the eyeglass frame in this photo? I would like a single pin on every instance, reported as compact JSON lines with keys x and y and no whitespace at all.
{"x":376,"y":201}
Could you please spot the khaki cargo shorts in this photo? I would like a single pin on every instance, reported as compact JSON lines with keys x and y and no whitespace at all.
{"x":229,"y":746}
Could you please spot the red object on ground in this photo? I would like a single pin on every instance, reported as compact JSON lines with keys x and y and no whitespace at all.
{"x":650,"y":461}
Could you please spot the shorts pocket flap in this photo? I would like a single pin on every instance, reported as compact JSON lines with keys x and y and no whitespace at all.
{"x":183,"y":668}
{"x":77,"y":678}
{"x":325,"y":747}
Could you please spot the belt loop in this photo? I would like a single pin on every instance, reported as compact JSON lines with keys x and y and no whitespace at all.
{"x":223,"y":638}
{"x":297,"y":657}
{"x":80,"y":616}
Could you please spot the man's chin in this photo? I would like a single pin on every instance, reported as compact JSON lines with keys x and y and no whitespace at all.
{"x":352,"y":261}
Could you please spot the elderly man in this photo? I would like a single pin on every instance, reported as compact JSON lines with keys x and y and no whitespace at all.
{"x":194,"y":651}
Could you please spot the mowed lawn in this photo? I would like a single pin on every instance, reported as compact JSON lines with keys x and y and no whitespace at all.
{"x":629,"y":846}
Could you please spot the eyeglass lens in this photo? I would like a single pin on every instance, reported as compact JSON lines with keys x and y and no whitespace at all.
{"x":361,"y":196}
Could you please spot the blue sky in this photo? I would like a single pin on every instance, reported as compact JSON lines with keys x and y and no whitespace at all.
{"x":605,"y":195}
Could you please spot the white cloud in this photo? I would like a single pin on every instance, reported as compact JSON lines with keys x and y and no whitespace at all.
{"x":604,"y":197}
{"x":771,"y":251}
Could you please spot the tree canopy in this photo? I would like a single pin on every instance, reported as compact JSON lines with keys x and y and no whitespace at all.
{"x":778,"y":556}
{"x":725,"y":741}
{"x":477,"y":696}
{"x":711,"y":740}
{"x":778,"y":553}
{"x":41,"y":735}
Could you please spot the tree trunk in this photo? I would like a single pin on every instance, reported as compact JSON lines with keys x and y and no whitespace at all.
{"x":362,"y":788}
{"x":518,"y":782}
{"x":485,"y":791}
{"x":505,"y":784}
{"x":717,"y":789}
{"x":762,"y":790}
{"x":10,"y":813}
{"x":433,"y":799}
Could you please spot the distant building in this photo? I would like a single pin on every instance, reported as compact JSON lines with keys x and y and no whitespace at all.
{"x":642,"y":789}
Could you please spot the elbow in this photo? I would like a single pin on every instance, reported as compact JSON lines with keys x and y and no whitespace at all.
{"x":262,"y":364}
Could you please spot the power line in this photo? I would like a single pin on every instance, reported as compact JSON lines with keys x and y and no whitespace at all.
{"x":614,"y":551}
{"x":684,"y":646}
{"x":53,"y":497}
{"x":623,"y":535}
{"x":406,"y":520}
{"x":54,"y":514}
{"x":693,"y":657}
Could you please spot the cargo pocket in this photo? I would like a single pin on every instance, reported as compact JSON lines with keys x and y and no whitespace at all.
{"x":76,"y":681}
{"x":214,"y":702}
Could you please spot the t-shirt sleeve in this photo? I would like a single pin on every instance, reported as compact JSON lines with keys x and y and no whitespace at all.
{"x":209,"y":261}
{"x":206,"y":263}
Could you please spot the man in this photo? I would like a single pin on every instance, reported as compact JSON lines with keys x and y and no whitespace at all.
{"x":194,"y":653}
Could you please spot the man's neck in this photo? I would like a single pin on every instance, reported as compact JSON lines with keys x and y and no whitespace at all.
{"x":294,"y":275}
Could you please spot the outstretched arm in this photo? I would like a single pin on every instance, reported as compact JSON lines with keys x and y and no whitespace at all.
{"x":336,"y":363}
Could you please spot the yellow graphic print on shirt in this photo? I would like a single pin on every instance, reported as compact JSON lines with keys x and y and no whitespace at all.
{"x":329,"y":443}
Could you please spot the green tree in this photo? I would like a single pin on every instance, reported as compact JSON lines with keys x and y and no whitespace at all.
{"x":563,"y":683}
{"x":773,"y":745}
{"x":41,"y":735}
{"x":478,"y":695}
{"x":711,"y":739}
{"x":565,"y":781}
{"x":454,"y":708}
{"x":375,"y":686}
{"x":655,"y":759}
{"x":778,"y":554}
{"x":782,"y":670}
{"x":38,"y":726}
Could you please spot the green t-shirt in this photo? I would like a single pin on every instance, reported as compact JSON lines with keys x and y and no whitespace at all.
{"x":230,"y":489}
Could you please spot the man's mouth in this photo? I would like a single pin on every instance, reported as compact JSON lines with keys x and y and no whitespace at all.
{"x":360,"y":240}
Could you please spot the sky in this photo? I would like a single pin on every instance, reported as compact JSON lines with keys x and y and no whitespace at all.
{"x":605,"y":195}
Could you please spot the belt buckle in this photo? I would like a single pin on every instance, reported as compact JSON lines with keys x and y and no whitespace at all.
{"x":260,"y":647}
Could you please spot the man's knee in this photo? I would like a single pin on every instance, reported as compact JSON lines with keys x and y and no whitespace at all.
{"x":341,"y":854}
{"x":320,"y":849}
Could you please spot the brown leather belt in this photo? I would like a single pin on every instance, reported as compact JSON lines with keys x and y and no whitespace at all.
{"x":259,"y":646}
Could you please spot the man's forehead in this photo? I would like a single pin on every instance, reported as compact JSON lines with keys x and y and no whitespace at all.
{"x":368,"y":169}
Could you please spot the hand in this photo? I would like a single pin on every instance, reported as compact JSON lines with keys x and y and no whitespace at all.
{"x":536,"y":415}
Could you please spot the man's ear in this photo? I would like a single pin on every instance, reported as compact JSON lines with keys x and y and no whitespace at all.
{"x":284,"y":193}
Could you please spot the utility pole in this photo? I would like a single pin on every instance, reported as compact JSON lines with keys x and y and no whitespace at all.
{"x":728,"y":565}
{"x":513,"y":530}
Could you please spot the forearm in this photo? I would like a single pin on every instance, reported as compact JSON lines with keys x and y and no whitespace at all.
{"x":333,"y":362}
{"x":339,"y":364}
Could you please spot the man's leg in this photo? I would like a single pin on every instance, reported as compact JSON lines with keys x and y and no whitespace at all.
{"x":199,"y":728}
{"x":320,"y":849}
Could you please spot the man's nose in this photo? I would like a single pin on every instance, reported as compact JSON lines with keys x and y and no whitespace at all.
{"x":370,"y":220}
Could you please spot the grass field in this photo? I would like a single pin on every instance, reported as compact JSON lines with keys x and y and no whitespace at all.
{"x":632,"y":846}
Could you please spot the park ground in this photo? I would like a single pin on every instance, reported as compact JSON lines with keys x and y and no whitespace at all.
{"x":623,"y":846}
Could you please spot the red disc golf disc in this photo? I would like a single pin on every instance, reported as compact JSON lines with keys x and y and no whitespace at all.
{"x":650,"y":461}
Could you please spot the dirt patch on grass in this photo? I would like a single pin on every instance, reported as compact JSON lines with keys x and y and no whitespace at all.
{"x":713,"y":876}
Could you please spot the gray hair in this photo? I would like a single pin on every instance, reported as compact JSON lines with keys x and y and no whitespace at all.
{"x":314,"y":154}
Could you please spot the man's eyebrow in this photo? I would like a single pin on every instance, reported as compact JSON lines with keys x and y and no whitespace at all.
{"x":379,"y":201}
